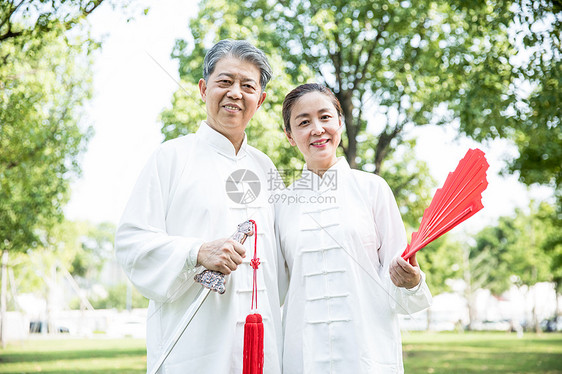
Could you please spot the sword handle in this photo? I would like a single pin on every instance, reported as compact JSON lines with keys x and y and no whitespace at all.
{"x":214,"y":280}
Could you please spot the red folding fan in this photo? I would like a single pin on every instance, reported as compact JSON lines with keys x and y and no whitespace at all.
{"x":458,"y":199}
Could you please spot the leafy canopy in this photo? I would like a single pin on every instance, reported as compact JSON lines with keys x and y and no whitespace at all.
{"x":42,"y":93}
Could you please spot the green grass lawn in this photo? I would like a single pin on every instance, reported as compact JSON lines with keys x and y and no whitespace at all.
{"x":423,"y":353}
{"x":489,"y":353}
{"x":70,"y":356}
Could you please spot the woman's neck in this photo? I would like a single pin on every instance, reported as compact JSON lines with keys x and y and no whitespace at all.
{"x":320,"y":168}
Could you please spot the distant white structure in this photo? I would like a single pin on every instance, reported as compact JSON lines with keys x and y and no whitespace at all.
{"x":506,"y":312}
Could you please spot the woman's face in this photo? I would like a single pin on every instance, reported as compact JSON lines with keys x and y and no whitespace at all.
{"x":315,"y":130}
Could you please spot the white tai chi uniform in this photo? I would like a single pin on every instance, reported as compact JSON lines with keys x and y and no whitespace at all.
{"x":179,"y":202}
{"x":340,"y":313}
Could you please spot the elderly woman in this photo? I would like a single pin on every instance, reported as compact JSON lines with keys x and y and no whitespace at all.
{"x":341,"y":235}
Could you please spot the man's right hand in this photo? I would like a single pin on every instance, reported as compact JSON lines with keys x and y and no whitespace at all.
{"x":222,"y":255}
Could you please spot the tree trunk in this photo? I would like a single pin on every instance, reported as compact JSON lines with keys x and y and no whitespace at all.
{"x":468,"y":290}
{"x":51,"y":300}
{"x":381,"y":150}
{"x":535,"y":317}
{"x":4,"y":298}
{"x":351,"y":127}
{"x":556,"y":297}
{"x":471,"y":312}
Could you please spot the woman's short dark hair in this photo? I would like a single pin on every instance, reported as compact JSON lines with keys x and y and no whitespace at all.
{"x":293,"y":96}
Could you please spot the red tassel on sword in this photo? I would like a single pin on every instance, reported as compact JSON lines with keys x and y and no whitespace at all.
{"x":253,"y":329}
{"x":458,"y":199}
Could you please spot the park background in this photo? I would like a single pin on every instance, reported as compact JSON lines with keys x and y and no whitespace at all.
{"x":89,"y":89}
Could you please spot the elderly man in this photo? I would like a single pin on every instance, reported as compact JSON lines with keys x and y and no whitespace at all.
{"x":183,"y":210}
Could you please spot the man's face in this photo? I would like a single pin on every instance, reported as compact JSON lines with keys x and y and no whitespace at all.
{"x":232,"y":94}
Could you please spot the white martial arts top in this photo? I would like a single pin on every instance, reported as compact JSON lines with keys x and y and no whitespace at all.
{"x":340,"y":313}
{"x":180,"y":201}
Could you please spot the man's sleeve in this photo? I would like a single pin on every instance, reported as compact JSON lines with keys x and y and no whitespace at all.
{"x":161,"y":266}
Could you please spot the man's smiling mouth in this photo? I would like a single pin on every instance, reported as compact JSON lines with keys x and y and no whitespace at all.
{"x":231,"y":107}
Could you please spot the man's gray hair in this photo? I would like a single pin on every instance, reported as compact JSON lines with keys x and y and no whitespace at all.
{"x":242,"y":50}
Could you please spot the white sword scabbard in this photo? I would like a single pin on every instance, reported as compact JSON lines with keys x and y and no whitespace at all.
{"x":210,"y":281}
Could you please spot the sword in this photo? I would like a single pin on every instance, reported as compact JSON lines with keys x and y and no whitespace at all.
{"x":211,"y":281}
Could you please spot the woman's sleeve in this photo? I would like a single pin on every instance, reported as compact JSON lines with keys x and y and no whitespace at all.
{"x":282,"y":269}
{"x":161,"y":266}
{"x":393,"y":242}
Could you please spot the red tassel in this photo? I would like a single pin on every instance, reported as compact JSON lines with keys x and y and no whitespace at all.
{"x":253,"y":345}
{"x":253,"y":329}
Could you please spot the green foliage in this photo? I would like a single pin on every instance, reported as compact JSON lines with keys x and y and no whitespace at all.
{"x":395,"y":65}
{"x":512,"y":252}
{"x":116,"y":298}
{"x":440,"y":261}
{"x":186,"y":113}
{"x":45,"y":79}
{"x":265,"y":25}
{"x":538,"y":134}
{"x":410,"y":181}
{"x":25,"y":20}
{"x":94,"y":246}
{"x":32,"y":22}
{"x":409,"y":64}
{"x":82,"y":248}
{"x":396,"y":59}
{"x":42,"y":92}
{"x":551,"y":225}
{"x":486,"y":264}
{"x":529,"y":107}
{"x":526,"y":256}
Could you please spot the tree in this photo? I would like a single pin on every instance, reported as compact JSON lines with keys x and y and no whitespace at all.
{"x":410,"y":181}
{"x":71,"y":257}
{"x":440,"y":261}
{"x":25,"y":20}
{"x":394,"y":65}
{"x":115,"y":299}
{"x":217,"y":20}
{"x":41,"y":97}
{"x":511,"y":253}
{"x":539,"y":136}
{"x":32,"y":21}
{"x":41,"y":138}
{"x":552,"y":244}
{"x":44,"y":82}
{"x":391,"y":64}
{"x":94,"y":246}
{"x":536,"y":128}
{"x":82,"y":249}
